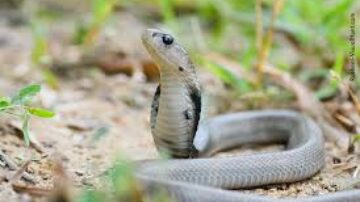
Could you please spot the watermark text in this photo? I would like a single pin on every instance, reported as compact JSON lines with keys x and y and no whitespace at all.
{"x":351,"y":68}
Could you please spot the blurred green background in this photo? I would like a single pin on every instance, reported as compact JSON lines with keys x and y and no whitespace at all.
{"x":310,"y":37}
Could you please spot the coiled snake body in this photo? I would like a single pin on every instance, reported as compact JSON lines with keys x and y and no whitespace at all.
{"x":176,"y":130}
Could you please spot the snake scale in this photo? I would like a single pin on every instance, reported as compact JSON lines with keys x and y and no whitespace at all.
{"x":193,"y":175}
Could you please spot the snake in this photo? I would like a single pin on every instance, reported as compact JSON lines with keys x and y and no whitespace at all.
{"x":192,"y":172}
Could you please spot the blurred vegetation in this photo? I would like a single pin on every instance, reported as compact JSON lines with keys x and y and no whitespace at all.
{"x":40,"y":56}
{"x":315,"y":28}
{"x":100,"y":11}
{"x":121,"y":186}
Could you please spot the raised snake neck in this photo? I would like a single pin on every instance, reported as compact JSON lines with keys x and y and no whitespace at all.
{"x":173,"y":120}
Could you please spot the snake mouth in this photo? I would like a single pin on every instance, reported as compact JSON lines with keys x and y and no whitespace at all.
{"x":148,"y":38}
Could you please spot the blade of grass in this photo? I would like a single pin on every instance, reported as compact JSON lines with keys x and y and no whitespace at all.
{"x":101,"y":11}
{"x":40,"y":56}
{"x":259,"y":27}
{"x":25,"y":129}
{"x":228,"y":77}
{"x":166,"y":7}
{"x":266,"y":42}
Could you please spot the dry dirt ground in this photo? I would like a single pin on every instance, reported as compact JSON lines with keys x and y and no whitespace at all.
{"x":119,"y":105}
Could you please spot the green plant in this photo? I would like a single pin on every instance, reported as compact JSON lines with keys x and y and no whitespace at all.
{"x":333,"y":84}
{"x":100,"y":12}
{"x":228,"y":77}
{"x":121,"y":185}
{"x":356,"y":137}
{"x":40,"y":56}
{"x":167,"y":11}
{"x":91,"y":196}
{"x":19,"y":106}
{"x":313,"y":21}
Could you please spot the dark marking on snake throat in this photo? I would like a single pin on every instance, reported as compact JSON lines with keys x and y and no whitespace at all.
{"x":164,"y":140}
{"x":195,"y":96}
{"x":187,"y":114}
{"x":155,"y":107}
{"x":181,"y":68}
{"x":156,"y":96}
{"x":172,"y":148}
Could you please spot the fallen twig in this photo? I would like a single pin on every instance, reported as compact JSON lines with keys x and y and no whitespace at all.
{"x":264,"y":42}
{"x":354,"y":98}
{"x":36,"y":144}
{"x":33,"y":191}
{"x":356,"y":172}
{"x":12,"y":166}
{"x":307,"y":101}
{"x":346,"y":85}
{"x":8,"y":161}
{"x":345,"y":121}
{"x":21,"y":171}
{"x":310,"y":105}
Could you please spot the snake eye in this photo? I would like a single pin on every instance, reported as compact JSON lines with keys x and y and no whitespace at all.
{"x":167,"y":39}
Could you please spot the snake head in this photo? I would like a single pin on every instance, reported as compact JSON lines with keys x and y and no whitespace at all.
{"x":165,"y":50}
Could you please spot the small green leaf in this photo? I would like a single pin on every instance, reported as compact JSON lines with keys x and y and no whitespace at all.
{"x":26,"y":93}
{"x":356,"y":137}
{"x":43,"y":113}
{"x":4,"y":103}
{"x":25,"y":129}
{"x":30,"y":90}
{"x":326,"y":92}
